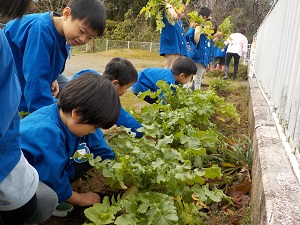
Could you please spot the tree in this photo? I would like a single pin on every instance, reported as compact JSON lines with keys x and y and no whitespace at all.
{"x":244,"y":13}
{"x":116,"y":9}
{"x":49,"y":5}
{"x":129,"y":25}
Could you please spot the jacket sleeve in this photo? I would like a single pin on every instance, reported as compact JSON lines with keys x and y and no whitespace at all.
{"x":10,"y":91}
{"x":98,"y":145}
{"x":245,"y":48}
{"x":127,"y":120}
{"x":48,"y":157}
{"x":190,"y":35}
{"x":36,"y":69}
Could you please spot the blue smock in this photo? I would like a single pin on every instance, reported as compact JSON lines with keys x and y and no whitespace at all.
{"x":40,"y":53}
{"x":48,"y":144}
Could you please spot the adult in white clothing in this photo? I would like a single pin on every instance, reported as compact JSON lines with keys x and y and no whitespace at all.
{"x":237,"y":48}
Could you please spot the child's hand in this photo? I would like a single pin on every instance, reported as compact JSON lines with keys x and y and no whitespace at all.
{"x":220,"y":35}
{"x":193,"y":24}
{"x":89,"y":198}
{"x":84,"y":199}
{"x":54,"y":88}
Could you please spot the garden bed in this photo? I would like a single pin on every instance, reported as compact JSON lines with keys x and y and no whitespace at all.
{"x":236,"y":93}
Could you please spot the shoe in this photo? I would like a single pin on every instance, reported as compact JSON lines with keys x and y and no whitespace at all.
{"x":193,"y":86}
{"x":62,"y":209}
{"x":225,"y":78}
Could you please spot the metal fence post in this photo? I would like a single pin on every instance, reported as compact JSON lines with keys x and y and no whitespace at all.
{"x":106,"y":45}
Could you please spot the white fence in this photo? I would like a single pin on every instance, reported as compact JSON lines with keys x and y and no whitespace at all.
{"x":105,"y":45}
{"x":274,"y":61}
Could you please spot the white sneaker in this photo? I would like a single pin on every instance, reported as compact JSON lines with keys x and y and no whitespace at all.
{"x":62,"y":209}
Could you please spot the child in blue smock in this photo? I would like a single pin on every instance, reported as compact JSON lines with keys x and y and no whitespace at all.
{"x":172,"y":39}
{"x":182,"y":71}
{"x":123,"y":74}
{"x":199,"y":51}
{"x":41,"y":42}
{"x":52,"y":134}
{"x":219,"y":56}
{"x":23,"y":199}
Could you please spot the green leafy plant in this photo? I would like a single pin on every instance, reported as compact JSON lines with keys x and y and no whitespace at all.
{"x":103,"y":213}
{"x":203,"y":26}
{"x":189,"y":213}
{"x":225,"y":28}
{"x":242,"y":72}
{"x":193,"y":16}
{"x":138,"y":208}
{"x":218,"y":84}
{"x":206,"y":27}
{"x":167,"y":176}
{"x":238,"y":152}
{"x":160,"y":8}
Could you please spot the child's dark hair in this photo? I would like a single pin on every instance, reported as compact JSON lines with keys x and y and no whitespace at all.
{"x":122,"y":70}
{"x":92,"y":12}
{"x":95,"y":99}
{"x":215,"y":26}
{"x":242,"y":30}
{"x":184,"y":65}
{"x":204,"y":12}
{"x":14,"y":8}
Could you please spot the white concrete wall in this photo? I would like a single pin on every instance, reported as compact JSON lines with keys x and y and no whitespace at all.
{"x":274,"y":61}
{"x":275,"y":192}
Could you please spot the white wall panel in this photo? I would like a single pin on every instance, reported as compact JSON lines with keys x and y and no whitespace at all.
{"x":274,"y":61}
